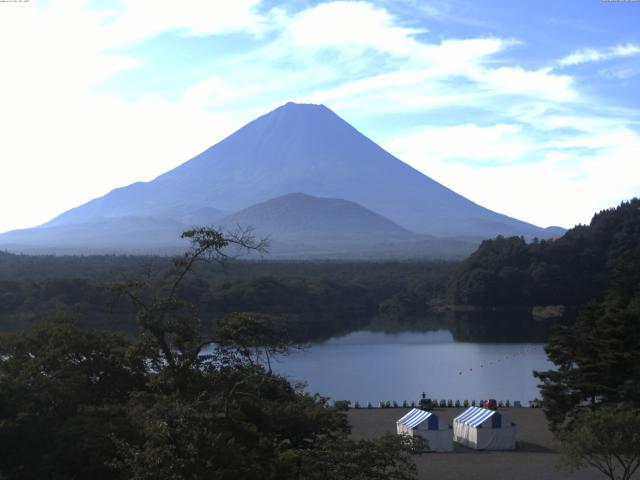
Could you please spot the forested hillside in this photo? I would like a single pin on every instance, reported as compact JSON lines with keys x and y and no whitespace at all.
{"x":570,"y":270}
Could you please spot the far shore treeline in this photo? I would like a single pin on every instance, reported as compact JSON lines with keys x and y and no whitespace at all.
{"x":509,"y":285}
{"x":316,"y":299}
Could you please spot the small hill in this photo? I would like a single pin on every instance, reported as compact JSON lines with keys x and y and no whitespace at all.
{"x":307,"y":227}
{"x":298,"y":214}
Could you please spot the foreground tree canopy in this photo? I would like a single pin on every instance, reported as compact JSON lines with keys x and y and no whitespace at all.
{"x":174,"y":403}
{"x":607,"y":439}
{"x":597,"y":357}
{"x":592,"y":398}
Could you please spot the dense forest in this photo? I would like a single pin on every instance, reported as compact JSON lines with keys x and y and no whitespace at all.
{"x":571,"y":270}
{"x":513,"y":290}
{"x":597,"y":356}
{"x":313,"y":299}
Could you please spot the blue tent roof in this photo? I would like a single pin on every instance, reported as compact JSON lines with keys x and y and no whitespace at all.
{"x":414,"y":418}
{"x":475,"y":416}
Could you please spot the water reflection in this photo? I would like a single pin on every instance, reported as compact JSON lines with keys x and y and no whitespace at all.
{"x":498,"y":327}
{"x":367,"y":337}
{"x":491,"y":326}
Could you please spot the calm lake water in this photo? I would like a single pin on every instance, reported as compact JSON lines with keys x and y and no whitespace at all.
{"x":373,"y":366}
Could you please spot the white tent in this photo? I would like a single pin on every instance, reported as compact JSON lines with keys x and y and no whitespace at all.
{"x":484,"y":429}
{"x":429,"y":427}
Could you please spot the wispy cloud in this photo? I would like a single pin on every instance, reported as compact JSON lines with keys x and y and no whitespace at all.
{"x":599,"y":55}
{"x":137,"y":20}
{"x":353,"y":26}
{"x":620,"y":73}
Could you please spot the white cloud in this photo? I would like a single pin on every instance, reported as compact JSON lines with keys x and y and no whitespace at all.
{"x":537,"y":83}
{"x":572,"y":175}
{"x":413,"y":74}
{"x":54,"y":49}
{"x":599,"y":55}
{"x":141,"y":19}
{"x":468,"y":143}
{"x":449,"y":72}
{"x":350,"y":25}
{"x":211,"y":91}
{"x":457,"y":53}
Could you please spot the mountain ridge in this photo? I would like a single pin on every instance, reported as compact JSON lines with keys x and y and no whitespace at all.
{"x":307,"y":148}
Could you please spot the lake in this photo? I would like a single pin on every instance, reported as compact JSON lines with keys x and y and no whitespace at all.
{"x":369,"y":366}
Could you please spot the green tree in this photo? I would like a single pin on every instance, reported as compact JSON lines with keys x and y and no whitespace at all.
{"x":254,"y":337}
{"x":387,"y":458}
{"x":607,"y":439}
{"x":62,"y":393}
{"x":597,"y":361}
{"x":592,"y":398}
{"x":170,"y":327}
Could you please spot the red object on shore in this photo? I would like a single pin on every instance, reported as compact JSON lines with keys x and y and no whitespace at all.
{"x":491,"y":404}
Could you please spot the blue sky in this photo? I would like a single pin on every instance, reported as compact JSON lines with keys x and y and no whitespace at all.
{"x":528,"y":108}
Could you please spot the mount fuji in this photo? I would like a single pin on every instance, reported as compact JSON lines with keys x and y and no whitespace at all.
{"x":340,"y":181}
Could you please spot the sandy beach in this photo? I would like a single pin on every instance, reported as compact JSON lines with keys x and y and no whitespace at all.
{"x":536,"y":457}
